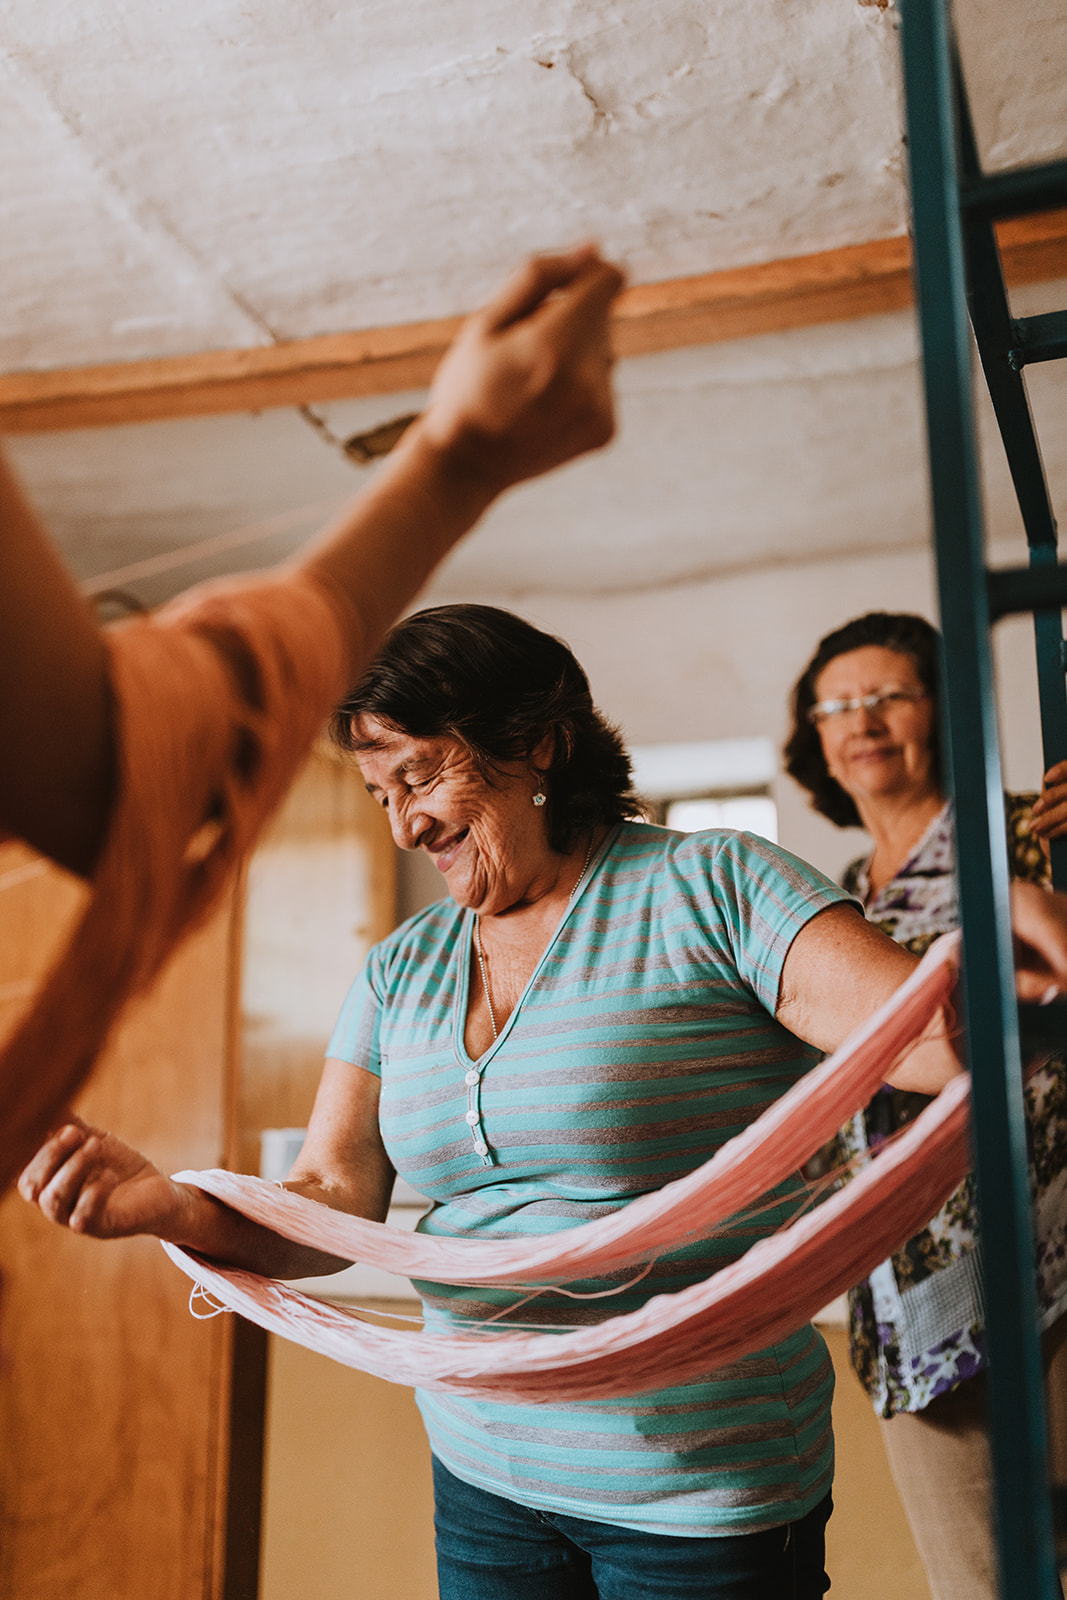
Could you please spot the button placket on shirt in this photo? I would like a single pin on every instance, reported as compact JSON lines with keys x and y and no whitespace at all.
{"x":473,"y":1116}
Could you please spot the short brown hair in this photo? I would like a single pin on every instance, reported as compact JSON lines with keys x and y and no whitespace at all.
{"x":908,"y":635}
{"x":492,"y":680}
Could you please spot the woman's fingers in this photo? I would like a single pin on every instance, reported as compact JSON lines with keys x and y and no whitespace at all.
{"x":581,"y":313}
{"x":87,"y":1180}
{"x":77,"y":1165}
{"x":1051,"y":823}
{"x":64,"y":1193}
{"x":53,"y":1155}
{"x":529,"y":285}
{"x":527,"y":384}
{"x":1049,"y":814}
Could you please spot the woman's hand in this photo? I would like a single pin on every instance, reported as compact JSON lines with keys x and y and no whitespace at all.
{"x":1039,"y":924}
{"x":1048,"y":819}
{"x":87,"y":1180}
{"x":527,"y":383}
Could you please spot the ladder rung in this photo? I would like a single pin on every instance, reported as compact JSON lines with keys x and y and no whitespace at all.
{"x":1013,"y":589}
{"x":1017,"y":191}
{"x":1041,"y":338}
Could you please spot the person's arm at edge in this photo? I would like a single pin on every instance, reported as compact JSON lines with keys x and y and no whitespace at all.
{"x":525,"y":387}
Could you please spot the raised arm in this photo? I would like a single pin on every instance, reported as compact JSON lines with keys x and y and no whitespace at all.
{"x":526,"y":387}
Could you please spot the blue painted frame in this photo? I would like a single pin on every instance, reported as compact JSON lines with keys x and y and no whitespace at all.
{"x":952,"y":203}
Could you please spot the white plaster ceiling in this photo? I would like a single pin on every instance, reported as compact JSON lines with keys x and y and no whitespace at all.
{"x":198,"y":174}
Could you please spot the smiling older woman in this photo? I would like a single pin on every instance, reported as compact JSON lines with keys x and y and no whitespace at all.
{"x":593,"y":1009}
{"x":864,"y":743}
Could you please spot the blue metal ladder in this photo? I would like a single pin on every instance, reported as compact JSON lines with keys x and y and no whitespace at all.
{"x":957,"y":268}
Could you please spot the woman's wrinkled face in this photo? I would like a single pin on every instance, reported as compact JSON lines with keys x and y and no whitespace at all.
{"x":487,"y":839}
{"x":881,"y":752}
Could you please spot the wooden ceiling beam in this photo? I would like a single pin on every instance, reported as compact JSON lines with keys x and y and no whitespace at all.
{"x":801,"y":291}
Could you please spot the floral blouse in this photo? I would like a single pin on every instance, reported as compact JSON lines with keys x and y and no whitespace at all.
{"x":916,"y":1326}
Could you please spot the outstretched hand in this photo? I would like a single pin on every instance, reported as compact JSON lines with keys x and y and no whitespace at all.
{"x":527,"y":383}
{"x":1048,"y":818}
{"x":89,"y":1181}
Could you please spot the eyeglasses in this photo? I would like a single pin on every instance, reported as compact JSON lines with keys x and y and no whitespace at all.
{"x":834,"y":710}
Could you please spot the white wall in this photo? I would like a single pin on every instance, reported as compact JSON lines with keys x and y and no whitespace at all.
{"x":717,"y":660}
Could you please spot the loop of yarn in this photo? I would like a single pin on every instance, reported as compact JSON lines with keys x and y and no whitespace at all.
{"x":769,"y":1150}
{"x":203,"y":1306}
{"x":776,"y":1286}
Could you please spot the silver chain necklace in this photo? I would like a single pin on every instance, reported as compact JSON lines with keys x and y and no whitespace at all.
{"x":473,"y":1076}
{"x":485,"y":977}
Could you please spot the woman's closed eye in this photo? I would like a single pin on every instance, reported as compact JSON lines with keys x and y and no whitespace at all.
{"x":410,"y":786}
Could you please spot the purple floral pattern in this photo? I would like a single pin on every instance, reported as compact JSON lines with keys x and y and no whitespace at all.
{"x":916,"y":1324}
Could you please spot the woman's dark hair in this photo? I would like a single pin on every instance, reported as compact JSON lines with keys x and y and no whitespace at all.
{"x":486,"y":677}
{"x":910,"y":636}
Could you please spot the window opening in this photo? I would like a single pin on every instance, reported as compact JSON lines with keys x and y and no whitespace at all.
{"x":714,"y":783}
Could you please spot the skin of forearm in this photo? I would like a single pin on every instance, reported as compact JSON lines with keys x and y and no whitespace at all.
{"x":57,"y":755}
{"x":525,"y":387}
{"x":837,"y":973}
{"x":388,"y":542}
{"x":928,"y":1065}
{"x":204,"y":1225}
{"x":341,"y":1166}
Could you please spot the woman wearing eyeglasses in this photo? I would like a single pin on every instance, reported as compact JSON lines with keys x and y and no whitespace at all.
{"x":864,"y":744}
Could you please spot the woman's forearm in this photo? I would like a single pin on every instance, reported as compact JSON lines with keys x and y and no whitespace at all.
{"x":209,"y":1228}
{"x":93,"y":1183}
{"x":838,"y":971}
{"x":388,"y":541}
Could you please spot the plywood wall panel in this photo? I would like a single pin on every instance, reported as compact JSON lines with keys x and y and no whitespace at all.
{"x":113,"y":1400}
{"x":321,"y":890}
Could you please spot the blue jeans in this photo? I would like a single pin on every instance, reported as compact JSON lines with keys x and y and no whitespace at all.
{"x":489,"y":1548}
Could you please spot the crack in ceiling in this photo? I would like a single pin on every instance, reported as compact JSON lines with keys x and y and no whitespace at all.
{"x":199,"y":174}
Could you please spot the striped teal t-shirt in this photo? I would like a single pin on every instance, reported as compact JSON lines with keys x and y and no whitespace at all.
{"x":643,"y":1041}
